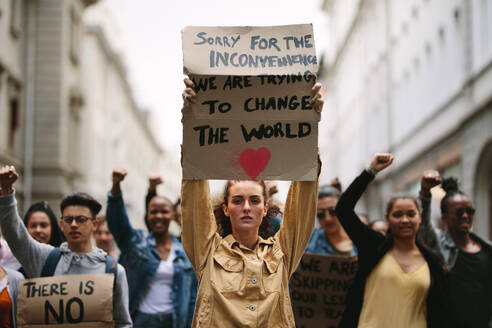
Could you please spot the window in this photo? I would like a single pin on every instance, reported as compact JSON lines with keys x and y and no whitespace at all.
{"x":73,"y":126}
{"x":14,"y":121}
{"x":16,"y":17}
{"x":415,"y":12}
{"x":442,"y":34}
{"x":74,"y":36}
{"x":457,"y":15}
{"x":14,"y":114}
{"x":428,"y":49}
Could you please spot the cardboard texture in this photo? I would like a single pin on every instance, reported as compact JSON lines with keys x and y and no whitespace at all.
{"x":252,"y":119}
{"x":66,"y":301}
{"x":319,"y":288}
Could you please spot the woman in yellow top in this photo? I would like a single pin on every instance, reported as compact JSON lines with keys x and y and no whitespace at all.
{"x":243,"y":278}
{"x":400,"y":283}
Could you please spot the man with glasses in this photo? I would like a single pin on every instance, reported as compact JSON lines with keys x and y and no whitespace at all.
{"x":330,"y":238}
{"x":467,"y":256}
{"x":76,"y":256}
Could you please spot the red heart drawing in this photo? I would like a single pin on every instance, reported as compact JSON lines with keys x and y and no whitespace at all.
{"x":254,"y":161}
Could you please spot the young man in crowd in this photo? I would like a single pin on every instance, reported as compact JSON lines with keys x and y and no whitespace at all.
{"x":77,"y":255}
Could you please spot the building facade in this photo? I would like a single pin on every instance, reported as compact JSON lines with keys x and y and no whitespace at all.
{"x":67,"y":114}
{"x":113,"y":131}
{"x":13,"y":27}
{"x":413,"y":78}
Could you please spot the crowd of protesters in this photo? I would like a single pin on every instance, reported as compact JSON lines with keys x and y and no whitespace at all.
{"x":229,"y":264}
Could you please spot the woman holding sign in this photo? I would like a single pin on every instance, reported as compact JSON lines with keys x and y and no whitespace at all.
{"x":400,"y":283}
{"x":243,"y":278}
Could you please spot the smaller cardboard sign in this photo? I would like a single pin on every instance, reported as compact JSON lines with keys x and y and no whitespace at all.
{"x":319,"y":288}
{"x":66,"y":301}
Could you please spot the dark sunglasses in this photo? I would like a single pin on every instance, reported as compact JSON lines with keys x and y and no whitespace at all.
{"x":468,"y":210}
{"x":321,"y":214}
{"x":80,"y":219}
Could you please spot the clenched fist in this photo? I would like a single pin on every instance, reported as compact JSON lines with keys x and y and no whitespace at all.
{"x":380,"y":161}
{"x":430,"y":179}
{"x":155,"y":179}
{"x":119,"y":175}
{"x":8,"y":176}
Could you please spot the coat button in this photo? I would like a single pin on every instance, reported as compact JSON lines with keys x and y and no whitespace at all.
{"x":253,"y":280}
{"x":252,"y":308}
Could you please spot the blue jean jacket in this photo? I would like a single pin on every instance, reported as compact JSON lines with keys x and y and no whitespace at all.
{"x":318,"y":244}
{"x":141,"y":259}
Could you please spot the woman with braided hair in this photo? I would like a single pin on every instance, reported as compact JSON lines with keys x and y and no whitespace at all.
{"x":467,"y":256}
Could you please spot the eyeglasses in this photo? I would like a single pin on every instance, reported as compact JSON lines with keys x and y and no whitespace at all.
{"x":468,"y":210}
{"x":321,"y":214}
{"x":79,"y":219}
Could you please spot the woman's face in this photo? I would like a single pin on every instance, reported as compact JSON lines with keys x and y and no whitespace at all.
{"x":160,"y":214}
{"x":39,"y":227}
{"x":327,"y":217}
{"x":245,"y":206}
{"x":404,"y":218}
{"x":459,"y":214}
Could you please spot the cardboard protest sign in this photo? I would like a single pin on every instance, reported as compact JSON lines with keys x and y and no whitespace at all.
{"x":66,"y":301}
{"x":252,"y":119}
{"x":319,"y":288}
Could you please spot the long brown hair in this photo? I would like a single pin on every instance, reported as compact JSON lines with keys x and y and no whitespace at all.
{"x":224,"y":226}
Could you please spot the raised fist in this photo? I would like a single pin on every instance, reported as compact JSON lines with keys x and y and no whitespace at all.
{"x":8,"y":176}
{"x":335,"y":183}
{"x":155,"y":179}
{"x":430,"y":179}
{"x":380,"y":161}
{"x":119,"y":175}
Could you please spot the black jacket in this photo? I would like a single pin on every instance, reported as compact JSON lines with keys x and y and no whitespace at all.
{"x":372,"y":247}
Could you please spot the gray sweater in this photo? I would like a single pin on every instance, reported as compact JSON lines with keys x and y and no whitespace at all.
{"x":32,"y":255}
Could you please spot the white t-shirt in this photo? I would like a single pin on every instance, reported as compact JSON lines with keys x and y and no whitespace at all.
{"x":7,"y":259}
{"x":3,"y":284}
{"x":158,"y":298}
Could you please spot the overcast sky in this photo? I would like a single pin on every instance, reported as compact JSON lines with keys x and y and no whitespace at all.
{"x":151,"y":30}
{"x":153,"y":52}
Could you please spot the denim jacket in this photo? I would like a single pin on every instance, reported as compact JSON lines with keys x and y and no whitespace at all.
{"x":141,"y":259}
{"x":441,"y":240}
{"x":319,"y":244}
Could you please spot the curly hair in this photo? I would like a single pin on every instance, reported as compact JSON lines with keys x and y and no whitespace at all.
{"x":224,"y":226}
{"x":451,"y":187}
